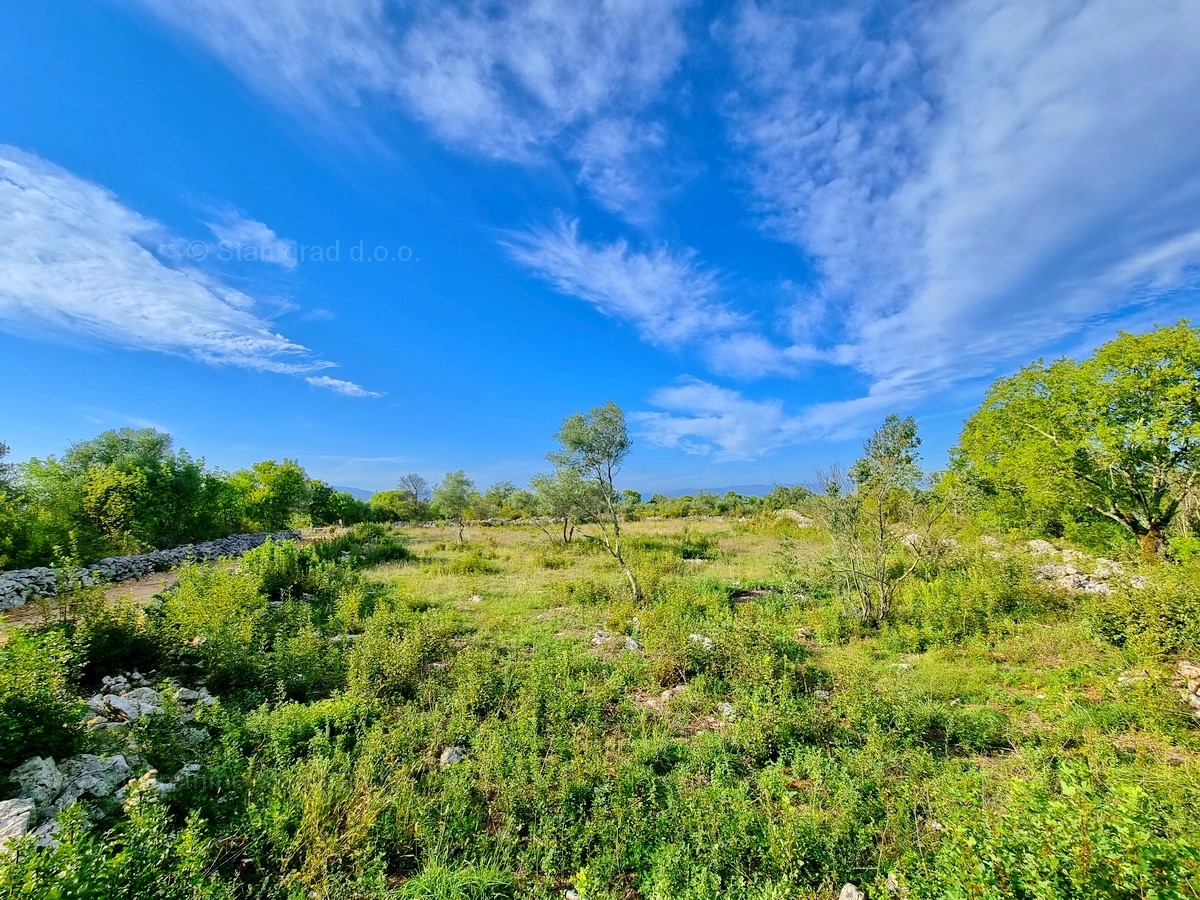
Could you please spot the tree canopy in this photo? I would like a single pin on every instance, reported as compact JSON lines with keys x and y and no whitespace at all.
{"x":1116,"y":435}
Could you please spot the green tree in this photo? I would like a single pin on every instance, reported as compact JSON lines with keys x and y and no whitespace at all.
{"x":453,"y":499}
{"x":329,"y":506}
{"x":595,"y":446}
{"x":1116,"y":435}
{"x":276,"y":495}
{"x":564,"y":498}
{"x":881,"y":491}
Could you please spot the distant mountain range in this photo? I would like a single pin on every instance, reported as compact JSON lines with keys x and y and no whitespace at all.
{"x":354,"y":492}
{"x":746,"y":490}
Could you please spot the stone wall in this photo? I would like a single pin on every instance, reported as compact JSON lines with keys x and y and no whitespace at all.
{"x":20,"y":586}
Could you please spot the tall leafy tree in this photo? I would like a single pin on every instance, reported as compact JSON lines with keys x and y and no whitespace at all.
{"x":863,"y":510}
{"x":1117,"y":434}
{"x":276,"y":495}
{"x":453,"y":498}
{"x":595,"y":446}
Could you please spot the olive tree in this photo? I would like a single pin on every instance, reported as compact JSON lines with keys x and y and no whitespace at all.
{"x":594,"y":445}
{"x":871,"y":513}
{"x":566,"y":499}
{"x":453,"y":498}
{"x":1116,"y":434}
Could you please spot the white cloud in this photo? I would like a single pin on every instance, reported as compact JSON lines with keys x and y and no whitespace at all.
{"x":502,"y":81}
{"x":338,"y":386}
{"x":669,"y":297}
{"x":977,"y":182}
{"x":76,"y":264}
{"x":701,"y":418}
{"x":248,"y":240}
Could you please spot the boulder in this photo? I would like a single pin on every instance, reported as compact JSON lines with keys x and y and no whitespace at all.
{"x":16,"y":818}
{"x":39,"y":780}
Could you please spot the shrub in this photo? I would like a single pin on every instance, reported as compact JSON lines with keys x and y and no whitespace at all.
{"x":111,"y":639}
{"x":1158,"y":619}
{"x":367,"y":544}
{"x":38,"y":715}
{"x":280,"y":568}
{"x":471,"y":559}
{"x":217,"y":614}
{"x":1081,"y":840}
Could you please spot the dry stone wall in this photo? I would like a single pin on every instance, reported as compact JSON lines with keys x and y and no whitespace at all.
{"x":20,"y":586}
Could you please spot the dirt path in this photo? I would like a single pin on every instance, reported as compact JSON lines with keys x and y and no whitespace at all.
{"x":139,"y":590}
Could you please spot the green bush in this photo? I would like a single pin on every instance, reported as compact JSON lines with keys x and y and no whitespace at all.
{"x":38,"y":714}
{"x":108,"y":639}
{"x":367,"y":544}
{"x":1078,"y":839}
{"x":280,"y":568}
{"x":145,"y":857}
{"x":218,"y":615}
{"x":1158,"y":619}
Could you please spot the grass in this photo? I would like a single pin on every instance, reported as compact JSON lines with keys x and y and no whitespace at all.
{"x":733,"y":735}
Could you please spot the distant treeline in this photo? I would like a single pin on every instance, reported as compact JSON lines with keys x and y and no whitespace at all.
{"x":128,"y":491}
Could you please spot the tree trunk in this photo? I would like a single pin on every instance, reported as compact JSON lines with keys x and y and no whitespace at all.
{"x":1153,"y":543}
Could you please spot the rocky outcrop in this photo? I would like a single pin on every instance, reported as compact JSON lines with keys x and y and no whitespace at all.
{"x":1189,"y":686}
{"x":44,"y":788}
{"x":20,"y":586}
{"x":1068,"y":576}
{"x":16,"y":818}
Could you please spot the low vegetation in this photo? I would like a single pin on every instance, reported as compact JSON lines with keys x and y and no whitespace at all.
{"x":890,"y":685}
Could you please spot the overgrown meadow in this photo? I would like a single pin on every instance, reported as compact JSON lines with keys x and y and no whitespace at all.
{"x":402,"y":715}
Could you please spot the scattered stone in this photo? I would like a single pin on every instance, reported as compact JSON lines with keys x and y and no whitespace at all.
{"x":1189,"y":685}
{"x":600,"y":638}
{"x":1041,"y":548}
{"x":893,"y":884}
{"x":822,"y":694}
{"x":727,"y":711}
{"x":902,"y":667}
{"x":475,"y":598}
{"x":452,"y":756}
{"x":707,"y":642}
{"x":632,"y":644}
{"x":851,"y":892}
{"x":16,"y":818}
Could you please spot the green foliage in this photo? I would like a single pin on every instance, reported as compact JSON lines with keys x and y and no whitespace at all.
{"x":1079,"y":839}
{"x":275,"y":495}
{"x":1158,"y":619}
{"x":145,"y":857}
{"x":110,"y":638}
{"x":38,"y":713}
{"x":454,"y":497}
{"x":219,"y":616}
{"x":1115,"y":436}
{"x":364,"y":545}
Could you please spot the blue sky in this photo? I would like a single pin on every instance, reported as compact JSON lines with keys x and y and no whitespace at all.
{"x":386,"y":237}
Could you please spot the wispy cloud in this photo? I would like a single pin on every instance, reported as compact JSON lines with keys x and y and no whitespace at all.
{"x":667,"y":294}
{"x":77,"y":264}
{"x":338,"y":386}
{"x":507,"y":81}
{"x":702,"y":418}
{"x":976,"y":182}
{"x":248,"y":240}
